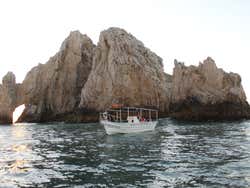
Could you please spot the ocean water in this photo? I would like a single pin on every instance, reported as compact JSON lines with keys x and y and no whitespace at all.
{"x":176,"y":154}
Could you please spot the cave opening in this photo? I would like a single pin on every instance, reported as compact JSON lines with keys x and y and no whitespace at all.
{"x":18,"y":112}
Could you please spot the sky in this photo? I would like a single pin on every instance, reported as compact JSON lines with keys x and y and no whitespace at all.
{"x":32,"y":31}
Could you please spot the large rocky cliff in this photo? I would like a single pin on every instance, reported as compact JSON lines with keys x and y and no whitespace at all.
{"x":125,"y":71}
{"x":82,"y":79}
{"x":51,"y":91}
{"x":206,"y":92}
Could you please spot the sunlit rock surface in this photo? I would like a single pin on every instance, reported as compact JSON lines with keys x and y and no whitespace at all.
{"x":207,"y":92}
{"x":53,"y":89}
{"x":125,"y":71}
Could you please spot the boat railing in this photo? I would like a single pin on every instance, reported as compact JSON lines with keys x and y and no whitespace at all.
{"x":121,"y":115}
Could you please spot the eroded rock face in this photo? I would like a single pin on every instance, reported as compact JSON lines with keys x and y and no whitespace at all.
{"x":125,"y":71}
{"x":207,"y":92}
{"x":82,"y":79}
{"x":54,"y":88}
{"x":8,"y":93}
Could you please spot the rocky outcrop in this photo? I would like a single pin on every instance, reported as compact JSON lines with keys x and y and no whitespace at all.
{"x":83,"y":79}
{"x":207,"y":93}
{"x":125,"y":71}
{"x":52,"y":89}
{"x":8,"y":93}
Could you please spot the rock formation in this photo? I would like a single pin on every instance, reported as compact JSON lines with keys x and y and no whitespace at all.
{"x":125,"y":71}
{"x":8,"y":93}
{"x":207,"y":93}
{"x":53,"y":89}
{"x":83,"y":79}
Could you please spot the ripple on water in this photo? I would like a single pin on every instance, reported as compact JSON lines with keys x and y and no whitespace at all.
{"x":177,"y":154}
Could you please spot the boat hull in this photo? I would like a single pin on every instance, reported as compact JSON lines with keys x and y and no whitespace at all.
{"x":120,"y":127}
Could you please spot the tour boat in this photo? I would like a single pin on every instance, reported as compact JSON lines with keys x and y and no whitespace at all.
{"x":129,"y":120}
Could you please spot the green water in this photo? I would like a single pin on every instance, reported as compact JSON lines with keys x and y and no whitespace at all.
{"x":82,"y":155}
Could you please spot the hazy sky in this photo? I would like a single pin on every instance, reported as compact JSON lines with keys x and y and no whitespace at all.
{"x":187,"y":30}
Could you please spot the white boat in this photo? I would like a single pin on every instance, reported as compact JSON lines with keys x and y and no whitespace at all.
{"x":137,"y":120}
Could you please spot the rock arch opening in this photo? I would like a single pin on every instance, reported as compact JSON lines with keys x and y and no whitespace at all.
{"x":18,"y":112}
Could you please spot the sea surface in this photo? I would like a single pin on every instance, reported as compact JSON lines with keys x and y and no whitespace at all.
{"x":176,"y":154}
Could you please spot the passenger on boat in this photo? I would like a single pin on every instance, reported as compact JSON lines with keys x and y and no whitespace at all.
{"x":110,"y":118}
{"x":141,"y":118}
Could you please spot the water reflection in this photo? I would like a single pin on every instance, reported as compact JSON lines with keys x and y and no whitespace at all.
{"x":18,"y":131}
{"x":20,"y":148}
{"x":175,"y":155}
{"x":15,"y":155}
{"x":18,"y":166}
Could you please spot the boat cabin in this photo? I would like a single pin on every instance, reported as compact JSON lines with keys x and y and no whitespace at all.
{"x":130,"y":115}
